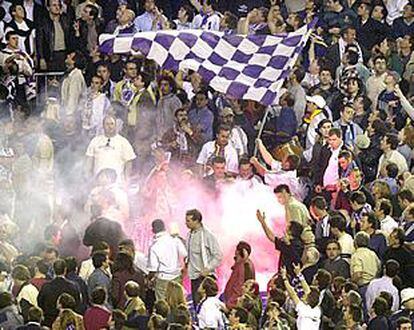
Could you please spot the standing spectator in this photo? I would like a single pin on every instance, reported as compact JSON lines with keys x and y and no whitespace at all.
{"x":87,"y":29}
{"x":208,"y":18}
{"x":50,"y":292}
{"x":73,"y":85}
{"x":204,"y":254}
{"x":67,"y":318}
{"x":376,"y":83}
{"x":123,"y":271}
{"x":219,"y":147}
{"x":296,"y":90}
{"x":34,"y":320}
{"x":383,"y":211}
{"x":242,"y":270}
{"x":389,"y":144}
{"x":210,"y":309}
{"x":101,"y":276}
{"x":334,"y":263}
{"x":164,"y":258}
{"x":54,"y":38}
{"x":97,"y":316}
{"x":9,"y":314}
{"x":110,"y":150}
{"x":385,"y":283}
{"x":201,"y":116}
{"x":365,"y":264}
{"x":377,"y":240}
{"x":350,"y":129}
{"x":319,"y":211}
{"x":145,"y":22}
{"x":22,"y":27}
{"x":86,"y":267}
{"x":407,"y":307}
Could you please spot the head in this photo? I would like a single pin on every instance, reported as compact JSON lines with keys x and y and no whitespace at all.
{"x":318,"y":207}
{"x":405,"y":198}
{"x":357,"y":200}
{"x":282,"y":193}
{"x":35,"y":314}
{"x":383,"y":208}
{"x":391,"y":268}
{"x":17,"y":12}
{"x":353,"y":86}
{"x":325,"y":76}
{"x":333,"y":249}
{"x":378,"y":12}
{"x":251,"y":287}
{"x":75,"y":59}
{"x":96,"y":83}
{"x":166,"y":85}
{"x":98,"y":296}
{"x":364,"y":10}
{"x":181,"y":116}
{"x":322,"y":279}
{"x":132,"y":289}
{"x":290,"y":163}
{"x":66,"y":301}
{"x":193,"y":219}
{"x":89,"y":13}
{"x":219,"y":167}
{"x":12,"y":40}
{"x":313,"y":297}
{"x":130,"y":70}
{"x":227,"y":116}
{"x":380,"y":64}
{"x":345,"y":159}
{"x":324,"y":127}
{"x":353,"y":314}
{"x":369,"y":222}
{"x":407,"y":299}
{"x":243,"y":250}
{"x":209,"y":287}
{"x":408,"y":12}
{"x":297,"y":75}
{"x":109,"y":125}
{"x":245,"y":168}
{"x":349,"y":35}
{"x":185,"y":13}
{"x":158,"y":226}
{"x":149,"y":5}
{"x":361,"y":240}
{"x":128,"y":246}
{"x":403,"y":323}
{"x":389,"y":142}
{"x":335,"y":138}
{"x":347,"y":113}
{"x":55,"y":7}
{"x":100,"y":260}
{"x":126,"y":17}
{"x":21,"y":274}
{"x":174,"y":294}
{"x":238,"y":315}
{"x":161,"y":306}
{"x":223,"y":135}
{"x":104,"y":72}
{"x":123,"y":262}
{"x":201,"y":99}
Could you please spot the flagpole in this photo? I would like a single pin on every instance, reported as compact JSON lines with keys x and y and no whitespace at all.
{"x":262,"y":125}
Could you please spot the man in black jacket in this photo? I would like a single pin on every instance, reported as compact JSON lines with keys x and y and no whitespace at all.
{"x":54,"y":38}
{"x":50,"y":292}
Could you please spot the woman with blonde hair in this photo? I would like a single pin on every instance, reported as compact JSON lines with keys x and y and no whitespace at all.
{"x":67,"y":319}
{"x":175,"y":297}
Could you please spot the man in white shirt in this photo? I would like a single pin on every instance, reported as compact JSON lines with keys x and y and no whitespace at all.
{"x":238,"y":138}
{"x":164,"y":258}
{"x":385,"y":283}
{"x":346,"y":242}
{"x":110,"y":150}
{"x":219,"y":147}
{"x":389,"y":145}
{"x":146,"y":21}
{"x":383,"y":211}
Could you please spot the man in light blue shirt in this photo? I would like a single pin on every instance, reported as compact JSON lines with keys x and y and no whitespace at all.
{"x":143,"y":22}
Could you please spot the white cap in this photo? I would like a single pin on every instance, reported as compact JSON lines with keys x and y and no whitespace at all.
{"x":407,"y":294}
{"x":318,"y":100}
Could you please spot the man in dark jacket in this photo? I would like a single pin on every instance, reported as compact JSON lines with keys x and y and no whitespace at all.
{"x":51,"y":291}
{"x":54,"y":38}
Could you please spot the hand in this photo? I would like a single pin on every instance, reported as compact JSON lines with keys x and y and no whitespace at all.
{"x":297,"y":269}
{"x":42,"y":64}
{"x":251,"y":14}
{"x":205,"y":272}
{"x":261,"y":216}
{"x":283,"y":272}
{"x":259,"y":143}
{"x":335,"y":30}
{"x":254,"y":161}
{"x":318,"y":189}
{"x":397,"y":89}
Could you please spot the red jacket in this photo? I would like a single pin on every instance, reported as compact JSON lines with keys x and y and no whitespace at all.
{"x":96,"y":318}
{"x":241,"y":272}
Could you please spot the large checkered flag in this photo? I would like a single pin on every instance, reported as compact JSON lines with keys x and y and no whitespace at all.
{"x":249,"y":67}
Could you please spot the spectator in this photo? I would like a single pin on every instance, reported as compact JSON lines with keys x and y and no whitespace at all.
{"x":334,"y":263}
{"x":101,"y":276}
{"x":200,"y":266}
{"x":164,"y":262}
{"x":97,"y":316}
{"x":50,"y":293}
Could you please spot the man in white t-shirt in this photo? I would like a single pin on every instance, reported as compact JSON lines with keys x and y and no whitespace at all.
{"x":219,"y":147}
{"x":110,"y":150}
{"x":309,"y":313}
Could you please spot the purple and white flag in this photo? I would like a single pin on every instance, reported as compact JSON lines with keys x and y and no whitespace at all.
{"x":251,"y":67}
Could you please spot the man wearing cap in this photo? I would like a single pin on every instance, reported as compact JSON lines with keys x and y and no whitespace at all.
{"x":407,"y":310}
{"x":164,"y":258}
{"x":238,"y":138}
{"x":316,"y":107}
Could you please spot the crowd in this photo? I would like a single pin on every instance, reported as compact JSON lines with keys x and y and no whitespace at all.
{"x":98,"y":158}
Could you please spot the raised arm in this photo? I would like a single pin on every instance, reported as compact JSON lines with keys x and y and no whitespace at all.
{"x":262,"y":219}
{"x":290,"y":290}
{"x":266,"y":155}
